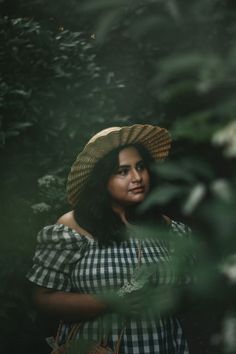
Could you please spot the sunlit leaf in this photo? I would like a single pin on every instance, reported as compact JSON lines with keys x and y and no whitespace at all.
{"x":21,"y":93}
{"x":21,"y":125}
{"x":195,"y":197}
{"x":173,"y":9}
{"x":226,"y":137}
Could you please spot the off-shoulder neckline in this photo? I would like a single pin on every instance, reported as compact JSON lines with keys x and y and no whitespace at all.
{"x":90,"y":239}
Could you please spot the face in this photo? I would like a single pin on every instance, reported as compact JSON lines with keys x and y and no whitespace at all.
{"x":130,"y":183}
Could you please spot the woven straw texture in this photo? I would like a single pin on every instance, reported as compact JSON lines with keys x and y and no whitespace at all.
{"x":155,"y":139}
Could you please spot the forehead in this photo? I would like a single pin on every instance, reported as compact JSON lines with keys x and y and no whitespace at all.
{"x":129,"y":155}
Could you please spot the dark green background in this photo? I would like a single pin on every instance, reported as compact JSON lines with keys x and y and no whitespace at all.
{"x":70,"y":69}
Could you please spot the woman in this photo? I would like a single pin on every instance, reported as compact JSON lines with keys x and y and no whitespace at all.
{"x":89,"y":252}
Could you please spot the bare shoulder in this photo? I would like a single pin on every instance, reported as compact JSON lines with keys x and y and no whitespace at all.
{"x":68,"y":219}
{"x":167,"y":219}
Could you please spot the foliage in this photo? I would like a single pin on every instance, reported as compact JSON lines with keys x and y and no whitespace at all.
{"x":191,"y":56}
{"x":190,"y":52}
{"x":38,"y":75}
{"x":52,"y":191}
{"x":65,"y":79}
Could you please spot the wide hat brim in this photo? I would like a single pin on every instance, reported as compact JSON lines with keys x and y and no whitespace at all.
{"x":155,"y":139}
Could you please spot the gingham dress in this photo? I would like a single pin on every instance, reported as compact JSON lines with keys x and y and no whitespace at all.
{"x":67,"y":261}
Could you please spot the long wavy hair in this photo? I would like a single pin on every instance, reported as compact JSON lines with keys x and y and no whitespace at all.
{"x":94,"y":212}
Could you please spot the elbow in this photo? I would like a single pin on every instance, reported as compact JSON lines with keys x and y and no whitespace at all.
{"x":41,"y":298}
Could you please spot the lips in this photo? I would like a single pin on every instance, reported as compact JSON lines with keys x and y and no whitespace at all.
{"x":137,"y":189}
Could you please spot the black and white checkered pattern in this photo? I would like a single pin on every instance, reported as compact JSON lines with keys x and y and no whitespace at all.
{"x":67,"y":261}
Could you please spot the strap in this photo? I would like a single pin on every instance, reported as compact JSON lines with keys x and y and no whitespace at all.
{"x":73,"y":332}
{"x":71,"y":335}
{"x":75,"y":329}
{"x":58,"y":332}
{"x":117,"y":347}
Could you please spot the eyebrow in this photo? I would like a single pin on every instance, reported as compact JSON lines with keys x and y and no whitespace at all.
{"x":130,"y":165}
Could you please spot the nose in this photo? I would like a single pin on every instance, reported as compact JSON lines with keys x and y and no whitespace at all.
{"x":135,"y":176}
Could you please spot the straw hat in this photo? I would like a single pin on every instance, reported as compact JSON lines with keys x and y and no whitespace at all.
{"x":155,"y":139}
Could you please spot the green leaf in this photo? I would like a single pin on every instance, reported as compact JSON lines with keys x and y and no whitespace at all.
{"x":198,"y":167}
{"x":21,"y":125}
{"x":203,"y":120}
{"x":145,"y":25}
{"x":12,"y":133}
{"x":163,"y":195}
{"x":173,"y":172}
{"x":105,"y":24}
{"x":177,"y":89}
{"x":195,"y":196}
{"x":2,"y":138}
{"x":22,"y":93}
{"x":104,"y":5}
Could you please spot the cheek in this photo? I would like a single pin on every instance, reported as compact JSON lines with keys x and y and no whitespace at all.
{"x":116,"y":188}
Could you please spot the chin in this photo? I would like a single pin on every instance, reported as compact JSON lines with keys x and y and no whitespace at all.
{"x":138,"y":200}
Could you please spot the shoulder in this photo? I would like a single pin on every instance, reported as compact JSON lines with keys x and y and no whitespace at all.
{"x":166,"y":219}
{"x":68,"y":220}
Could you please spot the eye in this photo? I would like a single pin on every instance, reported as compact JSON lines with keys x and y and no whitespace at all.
{"x":123,"y":171}
{"x":141,"y":166}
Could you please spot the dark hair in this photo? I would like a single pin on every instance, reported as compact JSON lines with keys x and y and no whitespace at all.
{"x":93,"y":210}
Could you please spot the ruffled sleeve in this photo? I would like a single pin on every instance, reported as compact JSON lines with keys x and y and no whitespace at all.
{"x":58,"y":248}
